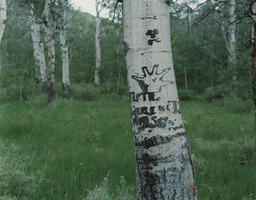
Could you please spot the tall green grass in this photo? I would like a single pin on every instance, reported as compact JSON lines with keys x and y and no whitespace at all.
{"x":77,"y":143}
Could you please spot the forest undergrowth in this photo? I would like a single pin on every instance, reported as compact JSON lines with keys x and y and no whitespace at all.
{"x":83,"y":150}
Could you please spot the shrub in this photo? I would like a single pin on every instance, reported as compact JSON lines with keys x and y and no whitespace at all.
{"x":10,"y":93}
{"x":216,"y":92}
{"x":113,"y":88}
{"x":38,"y":100}
{"x":236,"y":104}
{"x":15,"y":92}
{"x":186,"y":94}
{"x":84,"y":91}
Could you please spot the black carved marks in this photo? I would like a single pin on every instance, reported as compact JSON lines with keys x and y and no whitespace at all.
{"x":149,"y":17}
{"x":149,"y":113}
{"x":168,"y":2}
{"x":171,"y":106}
{"x":153,"y":34}
{"x":152,"y":81}
{"x":156,"y":140}
{"x":148,"y":96}
{"x":126,"y":47}
{"x":146,"y":117}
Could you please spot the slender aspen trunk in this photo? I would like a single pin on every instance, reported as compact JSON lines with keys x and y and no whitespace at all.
{"x":253,"y":76}
{"x":162,"y":151}
{"x":189,"y":24}
{"x":38,"y":48}
{"x":189,"y":20}
{"x":97,"y":44}
{"x":3,"y":18}
{"x":228,"y":29}
{"x":185,"y":76}
{"x":231,"y":31}
{"x":65,"y":57}
{"x":224,"y":33}
{"x":50,"y":27}
{"x":50,"y":67}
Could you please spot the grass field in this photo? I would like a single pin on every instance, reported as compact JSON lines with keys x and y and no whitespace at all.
{"x":62,"y":152}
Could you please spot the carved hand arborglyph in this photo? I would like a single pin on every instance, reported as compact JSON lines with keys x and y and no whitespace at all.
{"x":152,"y":81}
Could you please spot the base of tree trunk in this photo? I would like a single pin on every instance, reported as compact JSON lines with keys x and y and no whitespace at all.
{"x":96,"y":84}
{"x":67,"y":90}
{"x":51,"y":99}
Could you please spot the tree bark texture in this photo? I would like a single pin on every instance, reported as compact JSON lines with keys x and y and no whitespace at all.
{"x":3,"y":18}
{"x":38,"y":49}
{"x":97,"y":45}
{"x":232,"y":31}
{"x":162,"y":150}
{"x":228,"y":27}
{"x":64,"y":52}
{"x":50,"y":27}
{"x":253,"y":76}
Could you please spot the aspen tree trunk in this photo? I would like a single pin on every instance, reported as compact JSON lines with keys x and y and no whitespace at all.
{"x":97,"y":44}
{"x":38,"y":48}
{"x":253,"y":76}
{"x":228,"y":29}
{"x":64,"y":52}
{"x":3,"y":18}
{"x":162,"y":151}
{"x":189,"y":20}
{"x":189,"y":24}
{"x":50,"y":27}
{"x":185,"y":76}
{"x":231,"y":31}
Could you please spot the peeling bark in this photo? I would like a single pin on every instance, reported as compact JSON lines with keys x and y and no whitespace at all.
{"x":65,"y":56}
{"x":97,"y":44}
{"x":38,"y":49}
{"x":162,"y":151}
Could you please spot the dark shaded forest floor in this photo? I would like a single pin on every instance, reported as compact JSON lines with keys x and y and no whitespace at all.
{"x":63,"y":152}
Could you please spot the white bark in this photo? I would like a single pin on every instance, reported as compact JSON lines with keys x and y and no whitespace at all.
{"x":97,"y":45}
{"x":189,"y":19}
{"x":163,"y":161}
{"x":38,"y":48}
{"x":232,"y":31}
{"x":64,"y":52}
{"x":3,"y":18}
{"x":228,"y":28}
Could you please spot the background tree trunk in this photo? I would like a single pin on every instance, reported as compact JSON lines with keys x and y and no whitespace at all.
{"x":97,"y":44}
{"x":231,"y":31}
{"x":228,"y":28}
{"x":50,"y":27}
{"x":3,"y":18}
{"x":64,"y":52}
{"x":162,"y":151}
{"x":254,"y":69}
{"x":38,"y":48}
